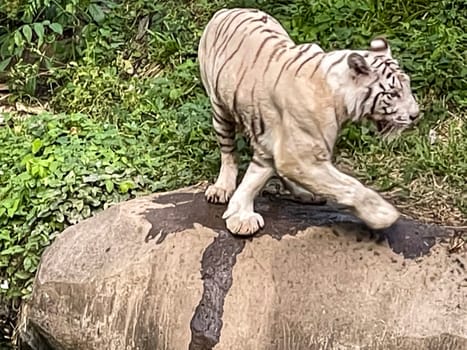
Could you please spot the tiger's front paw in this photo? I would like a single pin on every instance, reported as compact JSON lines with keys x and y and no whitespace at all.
{"x":216,"y":194}
{"x":244,"y":223}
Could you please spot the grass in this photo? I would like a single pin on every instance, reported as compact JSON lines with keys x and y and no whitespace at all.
{"x":126,"y":115}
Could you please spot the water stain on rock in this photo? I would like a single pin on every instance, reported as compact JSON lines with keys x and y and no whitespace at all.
{"x":284,"y":217}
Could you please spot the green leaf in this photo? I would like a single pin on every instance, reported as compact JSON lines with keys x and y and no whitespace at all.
{"x":109,"y":186}
{"x":22,"y":275}
{"x":12,"y":250}
{"x":18,"y":38}
{"x":56,"y":27}
{"x":4,"y":64}
{"x":27,"y":263}
{"x":39,"y":30}
{"x":27,"y":31}
{"x":70,"y":8}
{"x":96,"y":12}
{"x":5,"y":235}
{"x":36,"y":145}
{"x":12,"y":206}
{"x":125,"y":186}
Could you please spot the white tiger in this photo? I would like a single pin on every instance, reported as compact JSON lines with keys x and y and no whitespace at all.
{"x":291,"y":101}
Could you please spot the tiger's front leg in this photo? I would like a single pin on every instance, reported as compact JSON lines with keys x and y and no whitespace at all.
{"x":240,"y":216}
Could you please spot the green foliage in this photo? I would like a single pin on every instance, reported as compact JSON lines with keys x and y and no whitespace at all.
{"x":37,"y":35}
{"x":135,"y":119}
{"x":58,"y":169}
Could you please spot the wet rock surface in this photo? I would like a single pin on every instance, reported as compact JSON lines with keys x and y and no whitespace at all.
{"x":161,"y":272}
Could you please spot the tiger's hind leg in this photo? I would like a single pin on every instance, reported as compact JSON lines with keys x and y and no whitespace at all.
{"x":240,"y":216}
{"x":287,"y":189}
{"x":300,"y":194}
{"x":223,"y":188}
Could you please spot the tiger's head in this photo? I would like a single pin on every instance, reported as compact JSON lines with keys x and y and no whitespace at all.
{"x":384,"y":89}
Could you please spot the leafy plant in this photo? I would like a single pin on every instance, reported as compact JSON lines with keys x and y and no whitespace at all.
{"x":41,"y":34}
{"x":58,"y":169}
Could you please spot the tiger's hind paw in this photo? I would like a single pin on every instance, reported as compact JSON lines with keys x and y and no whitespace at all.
{"x":244,"y":223}
{"x":219,"y":195}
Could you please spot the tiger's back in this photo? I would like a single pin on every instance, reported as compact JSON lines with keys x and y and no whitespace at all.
{"x":242,"y":54}
{"x":231,"y":44}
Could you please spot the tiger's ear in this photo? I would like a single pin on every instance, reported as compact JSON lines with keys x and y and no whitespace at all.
{"x":381,"y":46}
{"x":358,"y":64}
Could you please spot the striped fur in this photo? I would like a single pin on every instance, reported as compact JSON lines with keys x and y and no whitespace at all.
{"x":291,"y":100}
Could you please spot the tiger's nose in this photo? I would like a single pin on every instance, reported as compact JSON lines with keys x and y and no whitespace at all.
{"x":413,"y":116}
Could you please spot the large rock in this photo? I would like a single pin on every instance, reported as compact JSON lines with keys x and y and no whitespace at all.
{"x":161,"y":272}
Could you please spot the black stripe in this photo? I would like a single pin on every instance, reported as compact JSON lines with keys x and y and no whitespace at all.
{"x":307,"y":60}
{"x":305,"y":47}
{"x":255,"y":28}
{"x":259,"y":116}
{"x":227,"y":61}
{"x":367,"y":96}
{"x":271,"y":32}
{"x":335,"y":63}
{"x":252,"y":134}
{"x":218,"y":13}
{"x":225,"y":134}
{"x":230,"y":57}
{"x":300,"y":53}
{"x":221,"y":120}
{"x":221,"y":28}
{"x":252,"y":101}
{"x":374,"y":80}
{"x":227,"y":149}
{"x":284,"y":50}
{"x":328,"y":147}
{"x":280,"y":73}
{"x":262,"y":46}
{"x":228,"y":142}
{"x":257,"y":162}
{"x":316,"y":68}
{"x":385,"y":69}
{"x":375,"y":101}
{"x":268,"y":63}
{"x":219,"y":109}
{"x":237,"y":87}
{"x":261,"y":124}
{"x":278,"y":45}
{"x":379,"y":65}
{"x":226,"y":41}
